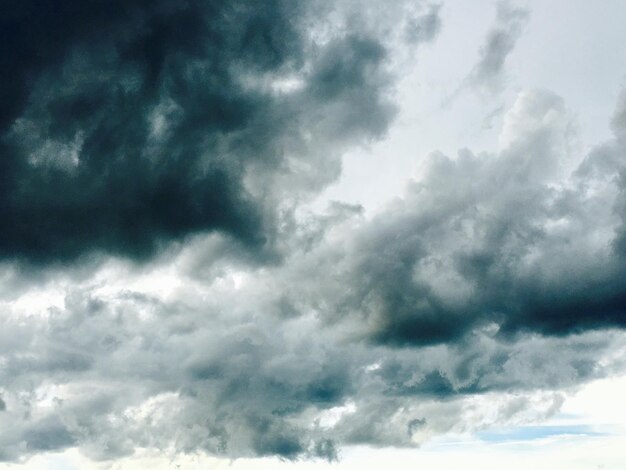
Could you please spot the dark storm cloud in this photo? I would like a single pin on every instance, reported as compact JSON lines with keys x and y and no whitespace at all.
{"x":528,"y":239}
{"x":490,"y":288}
{"x":508,"y":239}
{"x":126,"y":125}
{"x":470,"y":296}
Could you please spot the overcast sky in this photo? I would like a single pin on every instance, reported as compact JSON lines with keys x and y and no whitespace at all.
{"x":291,"y":234}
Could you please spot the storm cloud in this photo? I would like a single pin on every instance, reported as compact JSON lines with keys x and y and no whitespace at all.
{"x":110,"y":370}
{"x":448,"y":300}
{"x":528,"y":239}
{"x":126,"y":125}
{"x":180,"y":145}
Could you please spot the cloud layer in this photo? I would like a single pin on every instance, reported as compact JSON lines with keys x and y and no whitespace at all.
{"x":128,"y":124}
{"x":435,"y":316}
{"x":179,"y":142}
{"x":509,"y":238}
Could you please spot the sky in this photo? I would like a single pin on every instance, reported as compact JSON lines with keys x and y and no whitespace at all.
{"x":295,"y":234}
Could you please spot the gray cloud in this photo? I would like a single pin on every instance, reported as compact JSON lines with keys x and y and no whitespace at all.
{"x":500,"y":42}
{"x":488,"y":74}
{"x":510,"y":239}
{"x":424,"y":27}
{"x":227,"y":380}
{"x":495,"y":284}
{"x":380,"y":331}
{"x":139,"y":124}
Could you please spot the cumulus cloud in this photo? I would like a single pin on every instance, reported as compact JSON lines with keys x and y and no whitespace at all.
{"x":126,"y":125}
{"x":512,"y":239}
{"x":435,"y":316}
{"x":187,"y":135}
{"x":111,"y":370}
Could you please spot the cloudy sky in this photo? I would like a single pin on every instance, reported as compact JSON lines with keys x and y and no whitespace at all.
{"x":288,"y":234}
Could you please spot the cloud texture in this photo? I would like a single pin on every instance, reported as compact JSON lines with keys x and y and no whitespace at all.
{"x":177,"y":141}
{"x":129,"y":124}
{"x":487,"y":74}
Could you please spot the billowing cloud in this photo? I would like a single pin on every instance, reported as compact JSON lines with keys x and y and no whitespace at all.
{"x":435,"y":316}
{"x":110,"y":370}
{"x":180,"y":142}
{"x":129,"y":124}
{"x":514,"y":241}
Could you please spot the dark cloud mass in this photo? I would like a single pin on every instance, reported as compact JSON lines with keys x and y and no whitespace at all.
{"x":191,"y":136}
{"x":128,"y":124}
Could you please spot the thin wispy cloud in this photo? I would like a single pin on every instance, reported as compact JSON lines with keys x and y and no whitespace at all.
{"x":488,"y":72}
{"x":487,"y":76}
